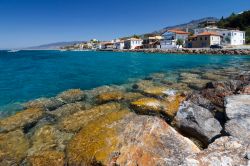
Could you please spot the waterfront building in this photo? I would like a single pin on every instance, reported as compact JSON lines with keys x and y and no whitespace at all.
{"x":229,"y":37}
{"x":133,"y":43}
{"x":171,"y":37}
{"x":119,"y":44}
{"x":151,"y":40}
{"x":204,"y":40}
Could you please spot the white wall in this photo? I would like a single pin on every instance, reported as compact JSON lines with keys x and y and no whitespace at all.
{"x":215,"y":40}
{"x":135,"y":43}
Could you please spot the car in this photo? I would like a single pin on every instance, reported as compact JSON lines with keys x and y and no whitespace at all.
{"x":216,"y":46}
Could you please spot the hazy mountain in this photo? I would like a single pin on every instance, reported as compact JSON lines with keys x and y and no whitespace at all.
{"x":53,"y":46}
{"x":191,"y":25}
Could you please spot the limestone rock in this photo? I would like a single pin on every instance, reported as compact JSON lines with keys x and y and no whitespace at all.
{"x":197,"y":122}
{"x":71,"y":96}
{"x":46,"y":158}
{"x":224,"y":151}
{"x":13,"y":148}
{"x":21,"y":119}
{"x":76,"y":121}
{"x":124,"y":138}
{"x":238,"y":112}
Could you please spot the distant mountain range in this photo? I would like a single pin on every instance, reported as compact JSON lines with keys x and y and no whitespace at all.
{"x":53,"y":46}
{"x":191,"y":25}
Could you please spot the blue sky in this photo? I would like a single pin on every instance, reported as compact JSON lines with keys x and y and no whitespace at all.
{"x":33,"y":22}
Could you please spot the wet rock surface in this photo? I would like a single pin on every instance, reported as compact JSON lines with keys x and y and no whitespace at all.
{"x":166,"y":118}
{"x":197,"y":122}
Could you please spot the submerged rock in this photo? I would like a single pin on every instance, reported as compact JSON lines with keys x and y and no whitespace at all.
{"x":46,"y":158}
{"x":238,"y":112}
{"x":123,"y":138}
{"x":224,"y":151}
{"x":197,"y":122}
{"x":13,"y":148}
{"x":76,"y":121}
{"x":71,"y":96}
{"x":21,"y":119}
{"x":213,"y":76}
{"x":44,"y":103}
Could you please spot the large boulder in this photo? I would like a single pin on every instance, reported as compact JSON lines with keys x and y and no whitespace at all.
{"x":13,"y":148}
{"x":124,"y":138}
{"x":238,"y":113}
{"x":110,"y":96}
{"x":21,"y":119}
{"x":224,"y":151}
{"x":197,"y":122}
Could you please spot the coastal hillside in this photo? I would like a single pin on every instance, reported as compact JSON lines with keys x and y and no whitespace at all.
{"x":240,"y":21}
{"x":53,"y":46}
{"x":191,"y":25}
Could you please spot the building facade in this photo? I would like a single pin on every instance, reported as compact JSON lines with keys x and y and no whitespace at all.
{"x":204,"y":40}
{"x":229,"y":37}
{"x":171,"y":37}
{"x":132,"y":43}
{"x":151,"y":41}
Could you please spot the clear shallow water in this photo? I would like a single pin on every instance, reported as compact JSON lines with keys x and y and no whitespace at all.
{"x":27,"y":75}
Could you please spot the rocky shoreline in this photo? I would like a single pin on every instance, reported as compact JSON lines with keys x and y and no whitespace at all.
{"x":192,"y":51}
{"x":192,"y":118}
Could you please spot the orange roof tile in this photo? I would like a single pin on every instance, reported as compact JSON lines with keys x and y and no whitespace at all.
{"x":208,"y":34}
{"x":178,"y":31}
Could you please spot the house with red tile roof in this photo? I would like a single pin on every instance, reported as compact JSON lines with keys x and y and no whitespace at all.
{"x":204,"y":40}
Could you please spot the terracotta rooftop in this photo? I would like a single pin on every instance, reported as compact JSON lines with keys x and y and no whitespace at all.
{"x":208,"y":34}
{"x":178,"y":31}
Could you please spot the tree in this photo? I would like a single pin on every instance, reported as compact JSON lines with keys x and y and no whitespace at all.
{"x":179,"y":42}
{"x":136,"y":36}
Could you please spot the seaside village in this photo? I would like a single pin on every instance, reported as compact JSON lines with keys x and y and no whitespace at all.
{"x":207,"y":35}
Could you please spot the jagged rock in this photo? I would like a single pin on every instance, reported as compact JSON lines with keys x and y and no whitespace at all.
{"x":197,"y":122}
{"x":217,"y":91}
{"x":224,"y":151}
{"x":246,"y":90}
{"x":13,"y":148}
{"x":201,"y":101}
{"x":126,"y":139}
{"x":71,"y":96}
{"x":47,"y":138}
{"x":21,"y":119}
{"x":238,"y":112}
{"x":46,"y":158}
{"x":44,"y":103}
{"x":76,"y":121}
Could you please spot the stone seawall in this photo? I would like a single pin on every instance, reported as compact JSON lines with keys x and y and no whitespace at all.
{"x":193,"y":51}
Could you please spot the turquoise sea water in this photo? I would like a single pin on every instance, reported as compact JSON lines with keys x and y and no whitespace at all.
{"x":26,"y":75}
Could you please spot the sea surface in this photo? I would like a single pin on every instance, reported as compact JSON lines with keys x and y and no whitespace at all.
{"x":27,"y":75}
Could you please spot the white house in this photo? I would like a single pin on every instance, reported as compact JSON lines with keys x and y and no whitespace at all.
{"x":132,"y":43}
{"x":118,"y":44}
{"x":171,"y":36}
{"x":229,"y":37}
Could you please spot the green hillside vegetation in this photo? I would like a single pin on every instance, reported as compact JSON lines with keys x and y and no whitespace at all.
{"x":239,"y":21}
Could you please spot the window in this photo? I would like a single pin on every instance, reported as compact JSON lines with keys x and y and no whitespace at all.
{"x":229,"y":34}
{"x":200,"y":38}
{"x":235,"y":34}
{"x":205,"y":38}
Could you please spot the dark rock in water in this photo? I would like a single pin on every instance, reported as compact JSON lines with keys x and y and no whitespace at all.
{"x":224,"y":151}
{"x":44,"y":103}
{"x":217,"y":91}
{"x":21,"y":120}
{"x":13,"y":148}
{"x":71,"y":96}
{"x":197,"y":122}
{"x":238,"y":112}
